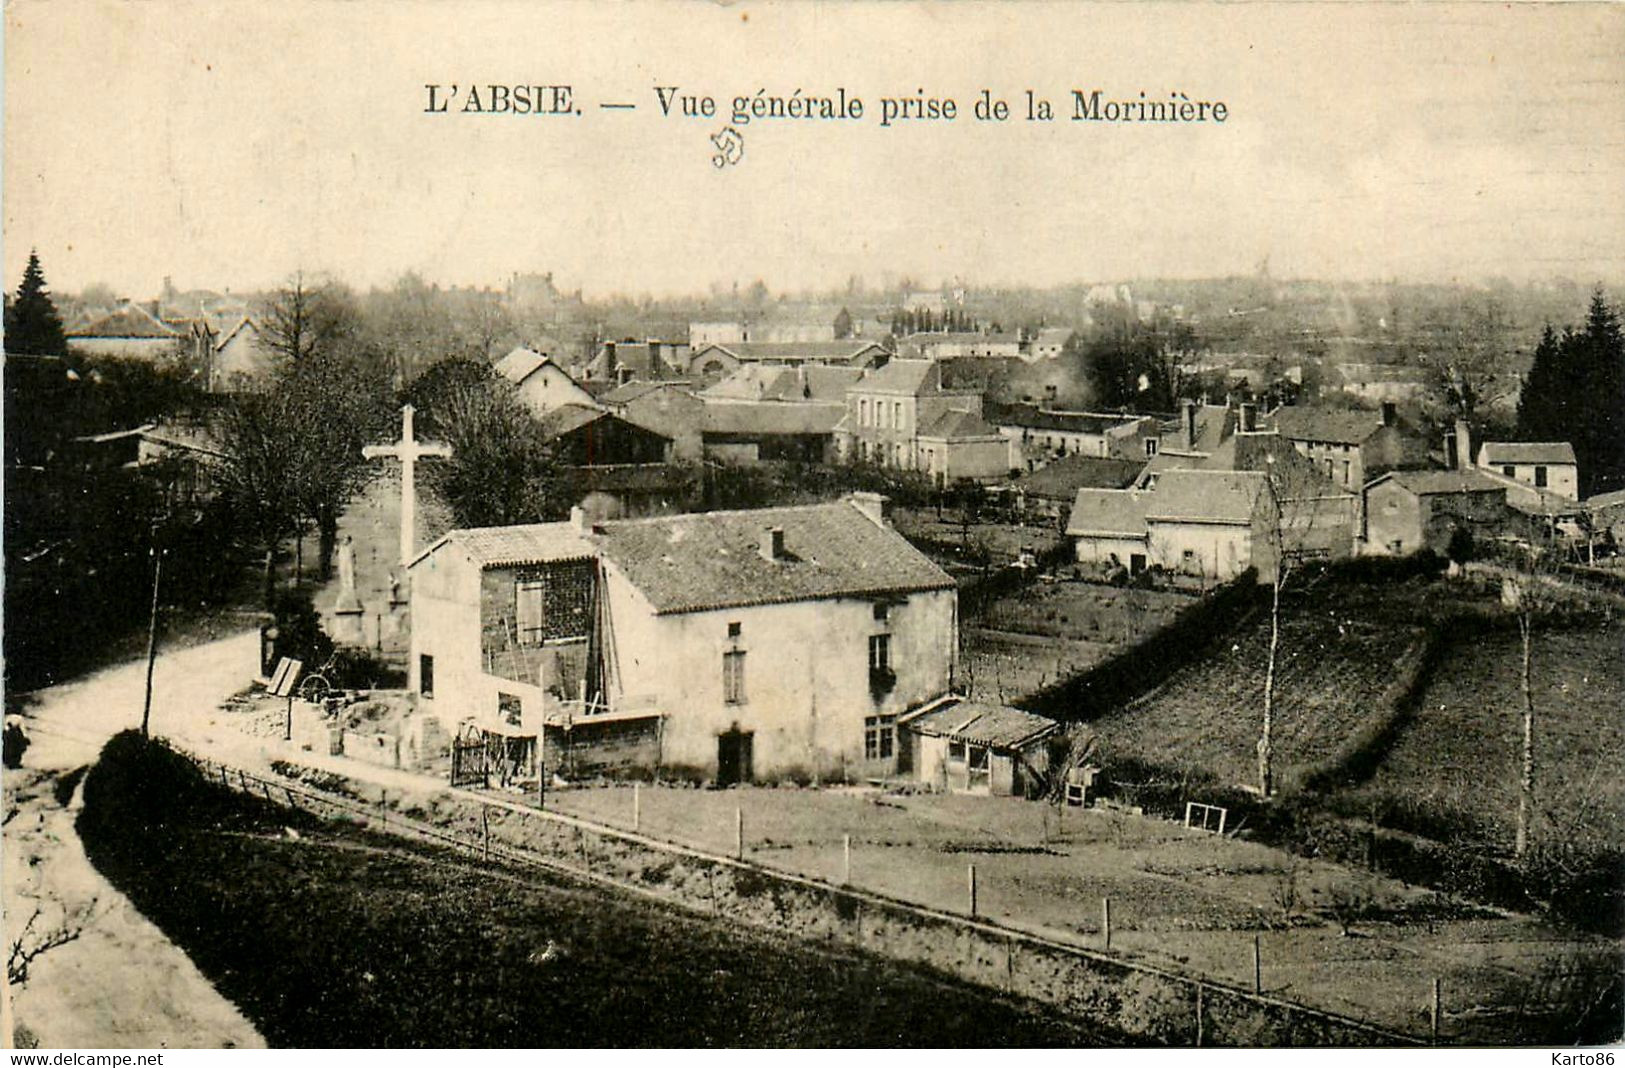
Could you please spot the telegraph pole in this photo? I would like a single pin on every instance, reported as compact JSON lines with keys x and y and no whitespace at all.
{"x":152,"y":635}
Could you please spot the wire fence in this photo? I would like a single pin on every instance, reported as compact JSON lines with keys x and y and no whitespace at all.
{"x":1136,"y":998}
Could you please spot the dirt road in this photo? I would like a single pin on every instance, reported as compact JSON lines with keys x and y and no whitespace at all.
{"x":120,"y":983}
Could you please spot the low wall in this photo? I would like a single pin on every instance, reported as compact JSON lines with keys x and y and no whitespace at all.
{"x":1147,"y":1003}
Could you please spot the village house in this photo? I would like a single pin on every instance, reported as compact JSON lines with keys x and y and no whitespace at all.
{"x":630,"y":360}
{"x":618,"y":467}
{"x":938,"y":345}
{"x":1408,"y":511}
{"x":1351,"y":447}
{"x":543,"y":385}
{"x":1108,"y":528}
{"x":670,"y":408}
{"x":889,"y":409}
{"x":242,"y":360}
{"x":1037,"y":435}
{"x":737,"y":645}
{"x":773,"y":412}
{"x":1048,"y":344}
{"x":1212,"y":524}
{"x":1047,"y":494}
{"x":712,"y":361}
{"x":1542,"y":465}
{"x":960,"y":447}
{"x":130,"y":330}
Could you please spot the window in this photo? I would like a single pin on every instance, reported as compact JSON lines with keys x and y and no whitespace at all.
{"x":1540,"y":476}
{"x":426,"y":675}
{"x":882,"y":611}
{"x":1328,"y":468}
{"x":1347,"y":470}
{"x":733,"y":677}
{"x":863,"y":411}
{"x":879,"y":737}
{"x":1508,"y":470}
{"x":897,"y":414}
{"x":881,"y":676}
{"x":735,"y":629}
{"x":510,"y":708}
{"x":956,"y":752}
{"x":978,"y":758}
{"x":1151,"y":446}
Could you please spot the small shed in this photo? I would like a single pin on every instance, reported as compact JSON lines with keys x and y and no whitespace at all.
{"x":973,"y":747}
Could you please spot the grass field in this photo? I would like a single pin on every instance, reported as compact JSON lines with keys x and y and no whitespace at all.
{"x":1459,"y":758}
{"x":332,"y":937}
{"x":1330,"y":674}
{"x":1051,"y":630}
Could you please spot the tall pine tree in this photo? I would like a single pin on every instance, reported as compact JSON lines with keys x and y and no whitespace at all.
{"x":33,"y":327}
{"x":1575,"y":392}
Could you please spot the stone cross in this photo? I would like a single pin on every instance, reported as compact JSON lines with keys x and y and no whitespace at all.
{"x":408,"y":451}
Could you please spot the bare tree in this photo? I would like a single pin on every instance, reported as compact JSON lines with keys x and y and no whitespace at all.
{"x":30,"y":944}
{"x":1529,"y":594}
{"x":306,"y":318}
{"x":1303,"y":513}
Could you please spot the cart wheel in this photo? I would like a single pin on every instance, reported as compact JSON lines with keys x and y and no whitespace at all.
{"x":314,"y":690}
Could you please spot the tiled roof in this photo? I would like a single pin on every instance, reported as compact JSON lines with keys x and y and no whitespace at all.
{"x":771,"y":417}
{"x":567,"y":418}
{"x":1526,"y":452}
{"x":1426,"y":483}
{"x":1029,"y":417}
{"x":1206,"y":496}
{"x":814,"y":351}
{"x":817,"y":382}
{"x":1295,"y":475}
{"x":904,"y":377}
{"x":712,"y":560}
{"x":531,"y":543}
{"x":999,"y":726}
{"x":521,"y":363}
{"x":1340,"y":426}
{"x":1061,"y":479}
{"x":1108,"y":511}
{"x":131,"y":321}
{"x":958,"y":425}
{"x":631,"y":391}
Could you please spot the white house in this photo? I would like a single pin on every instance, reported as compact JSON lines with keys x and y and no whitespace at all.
{"x":1547,"y":465}
{"x":1107,"y":527}
{"x":735,"y":644}
{"x":544,"y":385}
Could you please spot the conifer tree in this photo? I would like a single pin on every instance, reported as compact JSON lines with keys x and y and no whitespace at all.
{"x":33,"y":327}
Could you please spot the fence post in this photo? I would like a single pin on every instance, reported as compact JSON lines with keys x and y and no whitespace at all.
{"x":485,"y":831}
{"x":1433,"y":1016}
{"x":739,"y":832}
{"x":846,"y":859}
{"x":1258,"y":965}
{"x":1009,"y":963}
{"x":1198,"y":1015}
{"x":1106,"y":921}
{"x":637,"y":808}
{"x":971,"y":876}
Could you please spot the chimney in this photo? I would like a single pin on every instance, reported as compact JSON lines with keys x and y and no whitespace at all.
{"x":578,"y":519}
{"x":1464,"y":445}
{"x":1390,"y":414}
{"x":875,"y":506}
{"x":1450,"y":453}
{"x":1188,"y":423}
{"x":773,"y":545}
{"x":1249,"y":417}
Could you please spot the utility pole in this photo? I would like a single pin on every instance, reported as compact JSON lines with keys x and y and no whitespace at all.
{"x":152,"y":635}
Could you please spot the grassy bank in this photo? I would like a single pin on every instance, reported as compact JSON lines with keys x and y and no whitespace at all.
{"x":328,"y":936}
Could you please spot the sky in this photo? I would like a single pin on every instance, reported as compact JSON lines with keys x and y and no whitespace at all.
{"x":228,"y":144}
